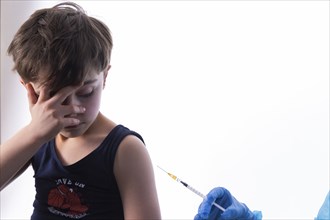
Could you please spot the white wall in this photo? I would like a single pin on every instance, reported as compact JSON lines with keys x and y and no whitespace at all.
{"x":225,"y":93}
{"x":15,"y":200}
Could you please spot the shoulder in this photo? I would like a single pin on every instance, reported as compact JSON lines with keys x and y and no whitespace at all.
{"x":132,"y":155}
{"x":44,"y":152}
{"x":135,"y":178}
{"x":132,"y":166}
{"x":131,"y":151}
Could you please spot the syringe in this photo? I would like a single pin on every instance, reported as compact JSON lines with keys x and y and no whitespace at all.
{"x":191,"y":188}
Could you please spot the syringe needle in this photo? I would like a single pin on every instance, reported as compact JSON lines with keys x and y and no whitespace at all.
{"x":191,"y":188}
{"x":170,"y":174}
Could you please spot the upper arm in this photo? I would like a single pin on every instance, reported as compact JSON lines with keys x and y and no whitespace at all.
{"x":135,"y":178}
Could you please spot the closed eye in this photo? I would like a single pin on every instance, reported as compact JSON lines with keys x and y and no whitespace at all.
{"x":85,"y":95}
{"x":86,"y":92}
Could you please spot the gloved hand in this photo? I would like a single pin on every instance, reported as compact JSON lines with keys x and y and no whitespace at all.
{"x":324,"y":212}
{"x":234,"y":209}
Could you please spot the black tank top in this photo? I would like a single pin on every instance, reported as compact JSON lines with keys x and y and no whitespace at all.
{"x":84,"y":190}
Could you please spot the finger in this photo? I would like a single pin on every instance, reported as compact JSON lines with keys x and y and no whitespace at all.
{"x":43,"y":95}
{"x":228,"y":215}
{"x":232,"y":212}
{"x":221,"y":196}
{"x":198,"y":217}
{"x":67,"y":122}
{"x":68,"y":110}
{"x":32,"y":97}
{"x":236,"y":210}
{"x":204,"y":209}
{"x":216,"y":193}
{"x":63,"y":93}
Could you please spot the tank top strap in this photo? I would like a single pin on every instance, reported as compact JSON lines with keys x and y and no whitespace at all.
{"x":113,"y":140}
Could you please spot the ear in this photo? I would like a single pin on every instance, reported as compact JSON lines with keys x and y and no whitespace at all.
{"x":105,"y":74}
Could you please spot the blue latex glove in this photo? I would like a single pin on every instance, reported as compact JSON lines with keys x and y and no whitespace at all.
{"x":324,"y":212}
{"x":234,"y":209}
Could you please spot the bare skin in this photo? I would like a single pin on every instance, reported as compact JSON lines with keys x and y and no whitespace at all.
{"x":48,"y":118}
{"x":72,"y":117}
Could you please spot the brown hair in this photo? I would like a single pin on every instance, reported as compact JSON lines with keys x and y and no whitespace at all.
{"x":64,"y":41}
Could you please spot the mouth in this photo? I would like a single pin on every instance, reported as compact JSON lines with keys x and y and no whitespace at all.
{"x":72,"y":127}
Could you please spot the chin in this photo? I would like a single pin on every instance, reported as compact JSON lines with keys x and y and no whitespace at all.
{"x":73,"y":131}
{"x":66,"y":134}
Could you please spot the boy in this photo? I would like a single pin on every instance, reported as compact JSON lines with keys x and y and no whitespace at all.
{"x":86,"y":166}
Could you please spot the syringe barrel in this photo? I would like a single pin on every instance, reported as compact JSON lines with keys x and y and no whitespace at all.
{"x":196,"y":191}
{"x":202,"y":195}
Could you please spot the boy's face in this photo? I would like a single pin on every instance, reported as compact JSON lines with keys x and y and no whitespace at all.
{"x":87,"y":95}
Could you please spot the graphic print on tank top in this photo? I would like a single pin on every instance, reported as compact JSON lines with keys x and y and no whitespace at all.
{"x":66,"y":199}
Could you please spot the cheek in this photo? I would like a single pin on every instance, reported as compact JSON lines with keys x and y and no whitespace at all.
{"x":91,"y":111}
{"x":92,"y":107}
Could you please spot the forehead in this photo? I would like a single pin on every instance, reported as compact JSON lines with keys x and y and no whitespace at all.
{"x":91,"y":77}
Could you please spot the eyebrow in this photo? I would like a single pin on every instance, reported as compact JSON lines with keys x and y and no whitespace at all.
{"x":90,"y":81}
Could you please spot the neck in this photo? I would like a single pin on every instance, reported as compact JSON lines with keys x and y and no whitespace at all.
{"x":98,"y":129}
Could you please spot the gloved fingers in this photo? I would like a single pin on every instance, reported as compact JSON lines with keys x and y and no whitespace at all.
{"x":224,"y":198}
{"x":237,"y":211}
{"x":204,"y":210}
{"x":232,"y":212}
{"x":215,"y":193}
{"x":199,"y":217}
{"x":221,"y":196}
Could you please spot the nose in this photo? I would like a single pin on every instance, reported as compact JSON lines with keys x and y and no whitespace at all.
{"x":71,"y":100}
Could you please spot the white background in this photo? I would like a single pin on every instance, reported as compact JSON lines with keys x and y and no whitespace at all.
{"x":225,"y":93}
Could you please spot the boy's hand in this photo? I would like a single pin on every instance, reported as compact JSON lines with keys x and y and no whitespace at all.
{"x":49,"y":114}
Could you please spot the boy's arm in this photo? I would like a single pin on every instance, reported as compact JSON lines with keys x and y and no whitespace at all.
{"x":48,"y":116}
{"x":22,"y":170}
{"x":134,"y":174}
{"x":15,"y":155}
